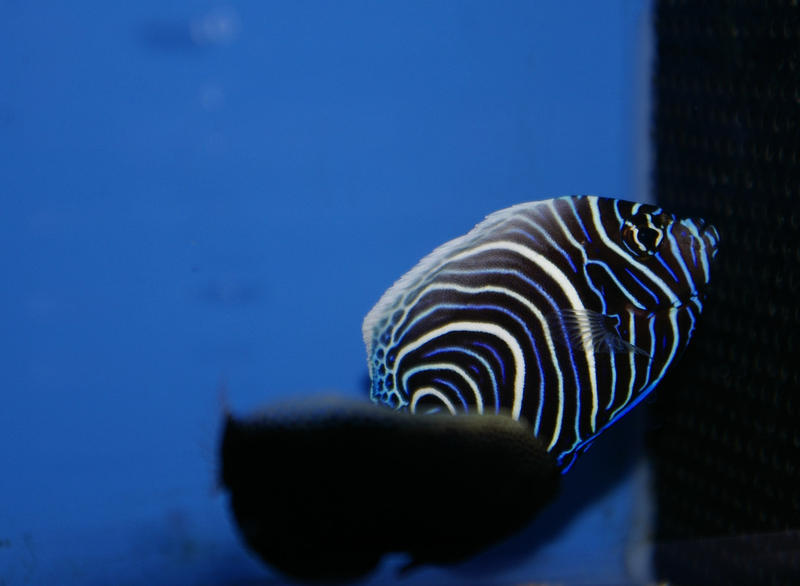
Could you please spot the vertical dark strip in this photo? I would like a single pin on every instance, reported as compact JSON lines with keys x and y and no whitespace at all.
{"x":727,"y":141}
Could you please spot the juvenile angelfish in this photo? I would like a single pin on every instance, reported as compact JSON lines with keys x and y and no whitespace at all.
{"x":564,"y":312}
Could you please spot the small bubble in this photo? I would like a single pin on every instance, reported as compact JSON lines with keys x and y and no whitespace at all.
{"x":217,"y":27}
{"x":211,"y":97}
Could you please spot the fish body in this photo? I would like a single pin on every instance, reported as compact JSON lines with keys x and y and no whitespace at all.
{"x":564,"y":312}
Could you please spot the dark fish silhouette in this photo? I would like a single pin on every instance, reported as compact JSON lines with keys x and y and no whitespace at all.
{"x":323,"y":492}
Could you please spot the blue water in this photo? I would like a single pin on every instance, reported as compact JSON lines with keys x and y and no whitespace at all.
{"x":202,"y":196}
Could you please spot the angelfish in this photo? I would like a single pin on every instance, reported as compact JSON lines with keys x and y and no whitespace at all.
{"x":564,"y":313}
{"x":545,"y":324}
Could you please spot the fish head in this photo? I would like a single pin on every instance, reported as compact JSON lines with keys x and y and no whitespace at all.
{"x":698,"y":244}
{"x":659,"y":259}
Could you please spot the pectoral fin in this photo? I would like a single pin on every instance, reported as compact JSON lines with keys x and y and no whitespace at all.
{"x":598,"y":329}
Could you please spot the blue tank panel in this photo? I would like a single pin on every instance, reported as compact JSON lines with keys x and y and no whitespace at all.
{"x":204,"y":200}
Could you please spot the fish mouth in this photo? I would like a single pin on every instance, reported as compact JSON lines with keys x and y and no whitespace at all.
{"x":707,"y":234}
{"x":710,"y":236}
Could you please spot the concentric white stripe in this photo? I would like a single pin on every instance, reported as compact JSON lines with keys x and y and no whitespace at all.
{"x":485,"y":328}
{"x":486,"y":366}
{"x":570,"y":293}
{"x":426,"y":391}
{"x":437,"y":286}
{"x":425,"y":367}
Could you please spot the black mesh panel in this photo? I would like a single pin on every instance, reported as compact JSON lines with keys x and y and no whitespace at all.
{"x":726,"y":443}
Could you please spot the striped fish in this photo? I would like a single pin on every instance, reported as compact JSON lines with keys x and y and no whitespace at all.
{"x":565,"y":312}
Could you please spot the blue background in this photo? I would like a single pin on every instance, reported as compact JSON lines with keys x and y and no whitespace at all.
{"x":198,"y":197}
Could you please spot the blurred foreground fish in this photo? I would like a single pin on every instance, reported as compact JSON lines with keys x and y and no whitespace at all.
{"x":542,"y":326}
{"x":322,"y":491}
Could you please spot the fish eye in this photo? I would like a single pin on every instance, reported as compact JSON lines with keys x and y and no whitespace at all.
{"x":663,"y":220}
{"x":643,"y":232}
{"x":649,"y":237}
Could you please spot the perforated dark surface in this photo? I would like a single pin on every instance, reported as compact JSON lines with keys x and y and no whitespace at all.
{"x":727,"y":134}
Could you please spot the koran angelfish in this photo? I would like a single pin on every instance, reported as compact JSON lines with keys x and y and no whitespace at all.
{"x":564,"y":312}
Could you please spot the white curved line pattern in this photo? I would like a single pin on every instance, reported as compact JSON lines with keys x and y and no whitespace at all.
{"x":545,"y":328}
{"x":484,"y":328}
{"x":426,"y":366}
{"x":430,"y":391}
{"x":572,"y":296}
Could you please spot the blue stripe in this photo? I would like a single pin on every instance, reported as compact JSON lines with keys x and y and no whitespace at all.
{"x":454,"y":388}
{"x":578,"y":218}
{"x":479,"y":358}
{"x":497,"y":357}
{"x":552,"y":243}
{"x":666,"y":266}
{"x":613,"y":276}
{"x":642,"y":285}
{"x":516,"y":318}
{"x":556,"y":310}
{"x":527,"y":235}
{"x":556,"y":307}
